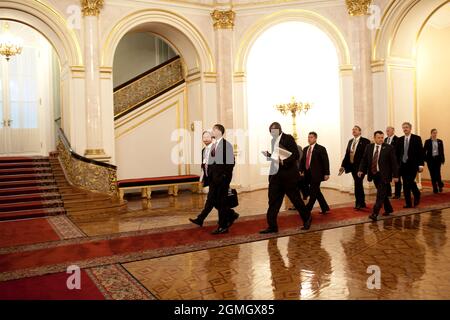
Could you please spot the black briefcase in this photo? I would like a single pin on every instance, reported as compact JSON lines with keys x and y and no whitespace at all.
{"x":232,"y":198}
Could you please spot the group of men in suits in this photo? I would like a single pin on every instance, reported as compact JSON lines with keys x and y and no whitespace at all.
{"x":392,"y":158}
{"x":385,"y":160}
{"x":217,"y":166}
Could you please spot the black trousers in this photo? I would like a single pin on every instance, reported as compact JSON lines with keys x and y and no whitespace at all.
{"x":315,"y":193}
{"x":398,"y":188}
{"x":209,"y":205}
{"x":382,"y":196}
{"x":408,"y":173}
{"x":279,"y":186}
{"x":360,"y":197}
{"x":434,"y":166}
{"x":218,"y":192}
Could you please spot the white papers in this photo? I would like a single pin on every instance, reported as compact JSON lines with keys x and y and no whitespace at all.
{"x":281,"y":153}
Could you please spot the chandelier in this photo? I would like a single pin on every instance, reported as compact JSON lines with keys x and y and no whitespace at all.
{"x":9,"y":45}
{"x":293,"y":108}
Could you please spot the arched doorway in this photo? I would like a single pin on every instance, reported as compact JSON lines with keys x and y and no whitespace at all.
{"x":403,"y":51}
{"x":249,"y":164}
{"x":293,"y":59}
{"x":165,"y":126}
{"x":433,"y":78}
{"x":29,"y":94}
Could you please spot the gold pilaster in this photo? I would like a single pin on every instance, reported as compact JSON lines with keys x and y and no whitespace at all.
{"x":223,"y":19}
{"x":358,"y":7}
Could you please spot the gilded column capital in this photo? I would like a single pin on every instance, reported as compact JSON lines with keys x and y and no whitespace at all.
{"x":223,"y":19}
{"x":91,"y":7}
{"x":358,"y":7}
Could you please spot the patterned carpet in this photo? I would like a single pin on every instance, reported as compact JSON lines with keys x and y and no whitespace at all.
{"x":30,"y":261}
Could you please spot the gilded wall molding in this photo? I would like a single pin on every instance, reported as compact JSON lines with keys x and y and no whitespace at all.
{"x":358,"y":7}
{"x":223,"y":19}
{"x":91,"y":7}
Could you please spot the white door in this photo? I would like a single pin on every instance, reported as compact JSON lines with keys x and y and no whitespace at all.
{"x":20,"y":132}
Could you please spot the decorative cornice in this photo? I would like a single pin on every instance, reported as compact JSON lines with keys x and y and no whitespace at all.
{"x":358,"y":7}
{"x":223,"y":19}
{"x":91,"y":7}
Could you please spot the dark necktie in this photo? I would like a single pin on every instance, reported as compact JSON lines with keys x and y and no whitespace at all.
{"x":375,"y":162}
{"x":213,"y":150}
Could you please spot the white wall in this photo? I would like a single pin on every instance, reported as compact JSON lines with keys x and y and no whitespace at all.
{"x":137,"y":53}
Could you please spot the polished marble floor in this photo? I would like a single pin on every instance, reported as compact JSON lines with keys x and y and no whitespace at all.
{"x":411,"y":252}
{"x":164,"y":211}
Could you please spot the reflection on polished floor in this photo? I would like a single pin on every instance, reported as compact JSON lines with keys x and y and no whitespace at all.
{"x":412,"y":252}
{"x":164,"y":211}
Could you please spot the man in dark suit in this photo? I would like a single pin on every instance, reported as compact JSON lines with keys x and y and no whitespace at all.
{"x":315,"y":167}
{"x":434,"y":156}
{"x":410,"y":157}
{"x":209,"y":205}
{"x":392,"y":140}
{"x":220,"y":173}
{"x":380,"y":164}
{"x":283,"y":179}
{"x":353,"y":155}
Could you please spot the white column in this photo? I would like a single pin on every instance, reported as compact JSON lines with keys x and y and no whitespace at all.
{"x":94,"y":132}
{"x":223,"y":24}
{"x":362,"y":73}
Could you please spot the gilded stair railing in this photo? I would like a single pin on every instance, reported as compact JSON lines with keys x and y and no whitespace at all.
{"x":87,"y":174}
{"x":147,"y":86}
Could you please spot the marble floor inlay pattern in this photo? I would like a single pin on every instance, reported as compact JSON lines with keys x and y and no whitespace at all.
{"x":411,"y":252}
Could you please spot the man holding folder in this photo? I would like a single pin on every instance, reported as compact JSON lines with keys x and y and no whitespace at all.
{"x":283,"y":178}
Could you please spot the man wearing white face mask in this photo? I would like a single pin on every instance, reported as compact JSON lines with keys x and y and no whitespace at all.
{"x":283,"y":179}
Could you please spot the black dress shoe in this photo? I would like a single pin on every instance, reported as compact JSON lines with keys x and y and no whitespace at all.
{"x":325,"y":211}
{"x":196,"y":221}
{"x":408,"y":206}
{"x":387,"y":213}
{"x":233,"y":219}
{"x":441,"y":189}
{"x":307,"y":224}
{"x":396,"y":197}
{"x":416,"y":202}
{"x":220,"y":231}
{"x":268,"y":230}
{"x":373,"y":217}
{"x":435,"y":191}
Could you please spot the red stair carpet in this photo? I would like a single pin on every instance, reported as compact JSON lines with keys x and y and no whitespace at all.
{"x":28,"y":188}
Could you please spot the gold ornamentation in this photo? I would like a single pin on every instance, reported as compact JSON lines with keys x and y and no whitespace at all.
{"x":91,"y":7}
{"x":223,"y":19}
{"x":9,"y":44}
{"x":147,"y":87}
{"x":88,"y":176}
{"x":358,"y":7}
{"x":293,"y":107}
{"x":94,"y":152}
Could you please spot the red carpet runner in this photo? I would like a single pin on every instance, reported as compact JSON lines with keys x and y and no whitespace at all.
{"x":55,"y":257}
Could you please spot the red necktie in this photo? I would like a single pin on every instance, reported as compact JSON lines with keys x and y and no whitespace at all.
{"x":375,"y":161}
{"x":308,"y":158}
